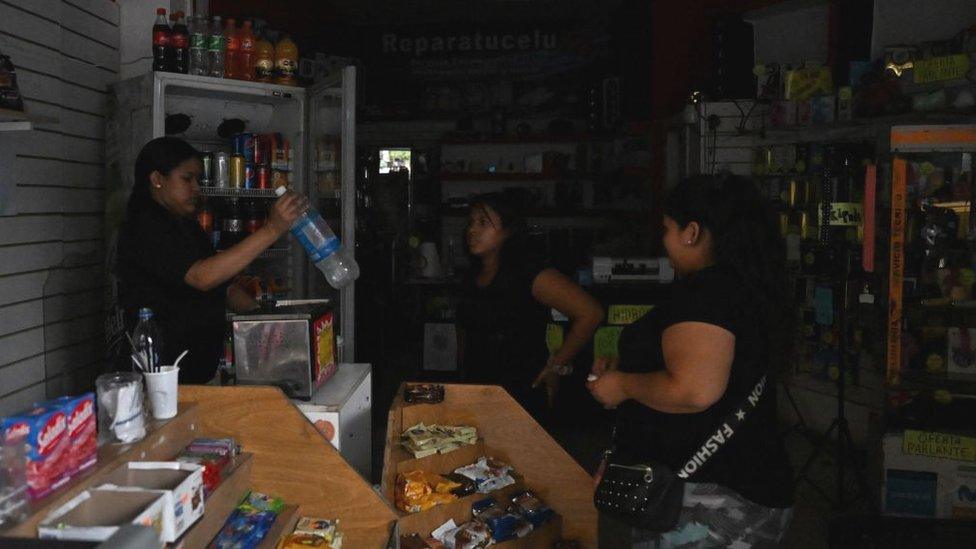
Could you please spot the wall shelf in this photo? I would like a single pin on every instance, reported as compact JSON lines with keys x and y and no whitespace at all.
{"x":11,"y":120}
{"x":531,"y":138}
{"x":515,"y":176}
{"x":552,"y":213}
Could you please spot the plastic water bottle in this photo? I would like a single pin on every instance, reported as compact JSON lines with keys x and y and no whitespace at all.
{"x":215,"y":49}
{"x":148,"y":341}
{"x":198,"y":45}
{"x":323,"y":247}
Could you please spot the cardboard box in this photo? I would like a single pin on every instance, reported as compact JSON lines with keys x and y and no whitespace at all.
{"x":182,"y":484}
{"x":94,"y":515}
{"x":44,"y":430}
{"x":82,"y":449}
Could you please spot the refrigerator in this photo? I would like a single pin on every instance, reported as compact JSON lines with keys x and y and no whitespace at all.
{"x":319,"y":122}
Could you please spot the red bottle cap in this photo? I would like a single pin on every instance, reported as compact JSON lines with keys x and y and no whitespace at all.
{"x":160,"y":11}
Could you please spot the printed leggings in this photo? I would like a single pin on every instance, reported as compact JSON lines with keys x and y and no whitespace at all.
{"x":711,"y":516}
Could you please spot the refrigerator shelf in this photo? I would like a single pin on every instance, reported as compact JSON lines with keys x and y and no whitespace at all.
{"x":237,"y":193}
{"x":274,"y":253}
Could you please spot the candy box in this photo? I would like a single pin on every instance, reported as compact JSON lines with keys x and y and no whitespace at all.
{"x":82,"y":450}
{"x":45,"y":432}
{"x":94,"y":515}
{"x":182,"y":484}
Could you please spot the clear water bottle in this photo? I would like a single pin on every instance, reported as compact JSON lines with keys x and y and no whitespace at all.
{"x":323,"y":247}
{"x":198,"y":45}
{"x":215,"y":49}
{"x":148,"y":341}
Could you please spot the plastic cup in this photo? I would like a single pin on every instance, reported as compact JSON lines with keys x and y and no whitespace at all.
{"x":121,"y":410}
{"x":162,"y":389}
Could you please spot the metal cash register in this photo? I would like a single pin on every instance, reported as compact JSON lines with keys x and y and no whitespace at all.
{"x":288,"y":343}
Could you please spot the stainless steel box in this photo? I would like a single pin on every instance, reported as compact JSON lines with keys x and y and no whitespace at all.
{"x":291,"y":345}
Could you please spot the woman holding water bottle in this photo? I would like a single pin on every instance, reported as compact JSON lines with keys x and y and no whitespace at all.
{"x":505,"y":307}
{"x":167,"y":263}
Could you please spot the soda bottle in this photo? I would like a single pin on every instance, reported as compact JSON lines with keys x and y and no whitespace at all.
{"x":247,"y":52}
{"x":215,"y":49}
{"x":148,"y":342}
{"x":323,"y":247}
{"x":286,"y":62}
{"x":161,"y":38}
{"x":198,"y":45}
{"x":232,"y":50}
{"x":264,"y":61}
{"x":180,"y":41}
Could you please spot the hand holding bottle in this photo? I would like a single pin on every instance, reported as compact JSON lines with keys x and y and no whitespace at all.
{"x":286,"y":211}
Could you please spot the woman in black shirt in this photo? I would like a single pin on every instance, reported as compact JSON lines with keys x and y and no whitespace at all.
{"x":167,"y":263}
{"x":504,"y":308}
{"x":697,"y":357}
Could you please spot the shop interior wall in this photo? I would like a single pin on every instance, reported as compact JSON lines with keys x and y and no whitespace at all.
{"x":52,"y":183}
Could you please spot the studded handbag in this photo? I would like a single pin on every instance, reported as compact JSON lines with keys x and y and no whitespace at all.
{"x":649,"y":496}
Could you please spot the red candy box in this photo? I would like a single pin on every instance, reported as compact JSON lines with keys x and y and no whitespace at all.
{"x":82,"y":431}
{"x":45,"y":431}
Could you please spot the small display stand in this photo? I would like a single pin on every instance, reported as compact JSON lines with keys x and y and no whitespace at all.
{"x":506,"y":432}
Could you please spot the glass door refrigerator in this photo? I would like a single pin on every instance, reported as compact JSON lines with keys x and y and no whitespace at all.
{"x":313,"y":130}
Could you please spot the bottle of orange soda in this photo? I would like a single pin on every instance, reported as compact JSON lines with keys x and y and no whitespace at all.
{"x":232,"y":59}
{"x":264,"y":60}
{"x":246,"y":71}
{"x":286,"y":62}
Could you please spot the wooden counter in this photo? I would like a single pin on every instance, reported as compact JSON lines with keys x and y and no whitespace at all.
{"x":292,"y":460}
{"x":504,"y":426}
{"x":284,"y":456}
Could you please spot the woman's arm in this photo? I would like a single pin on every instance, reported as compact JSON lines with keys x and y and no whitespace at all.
{"x":698,"y":360}
{"x":553,"y":289}
{"x":207,"y":274}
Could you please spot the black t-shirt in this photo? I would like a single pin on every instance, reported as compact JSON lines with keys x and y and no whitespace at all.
{"x":504,"y":328}
{"x":155,"y":251}
{"x":754,"y":462}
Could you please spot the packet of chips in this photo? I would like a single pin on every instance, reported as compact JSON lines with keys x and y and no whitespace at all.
{"x":489,"y":474}
{"x":302,"y":541}
{"x":423,"y":393}
{"x":465,"y":486}
{"x":325,"y":528}
{"x":471,"y":535}
{"x":418,"y":491}
{"x":529,"y":506}
{"x":256,"y":502}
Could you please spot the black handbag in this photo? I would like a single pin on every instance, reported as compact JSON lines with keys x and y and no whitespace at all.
{"x":649,"y":496}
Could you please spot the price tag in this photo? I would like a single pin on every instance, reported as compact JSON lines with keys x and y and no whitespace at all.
{"x":940,"y":445}
{"x":937,"y":69}
{"x":844,"y":214}
{"x":621,"y":315}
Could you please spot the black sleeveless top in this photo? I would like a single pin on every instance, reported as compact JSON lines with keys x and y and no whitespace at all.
{"x":754,"y":462}
{"x":504,"y":327}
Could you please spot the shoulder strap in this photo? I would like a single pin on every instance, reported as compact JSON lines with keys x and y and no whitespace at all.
{"x":725,"y":431}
